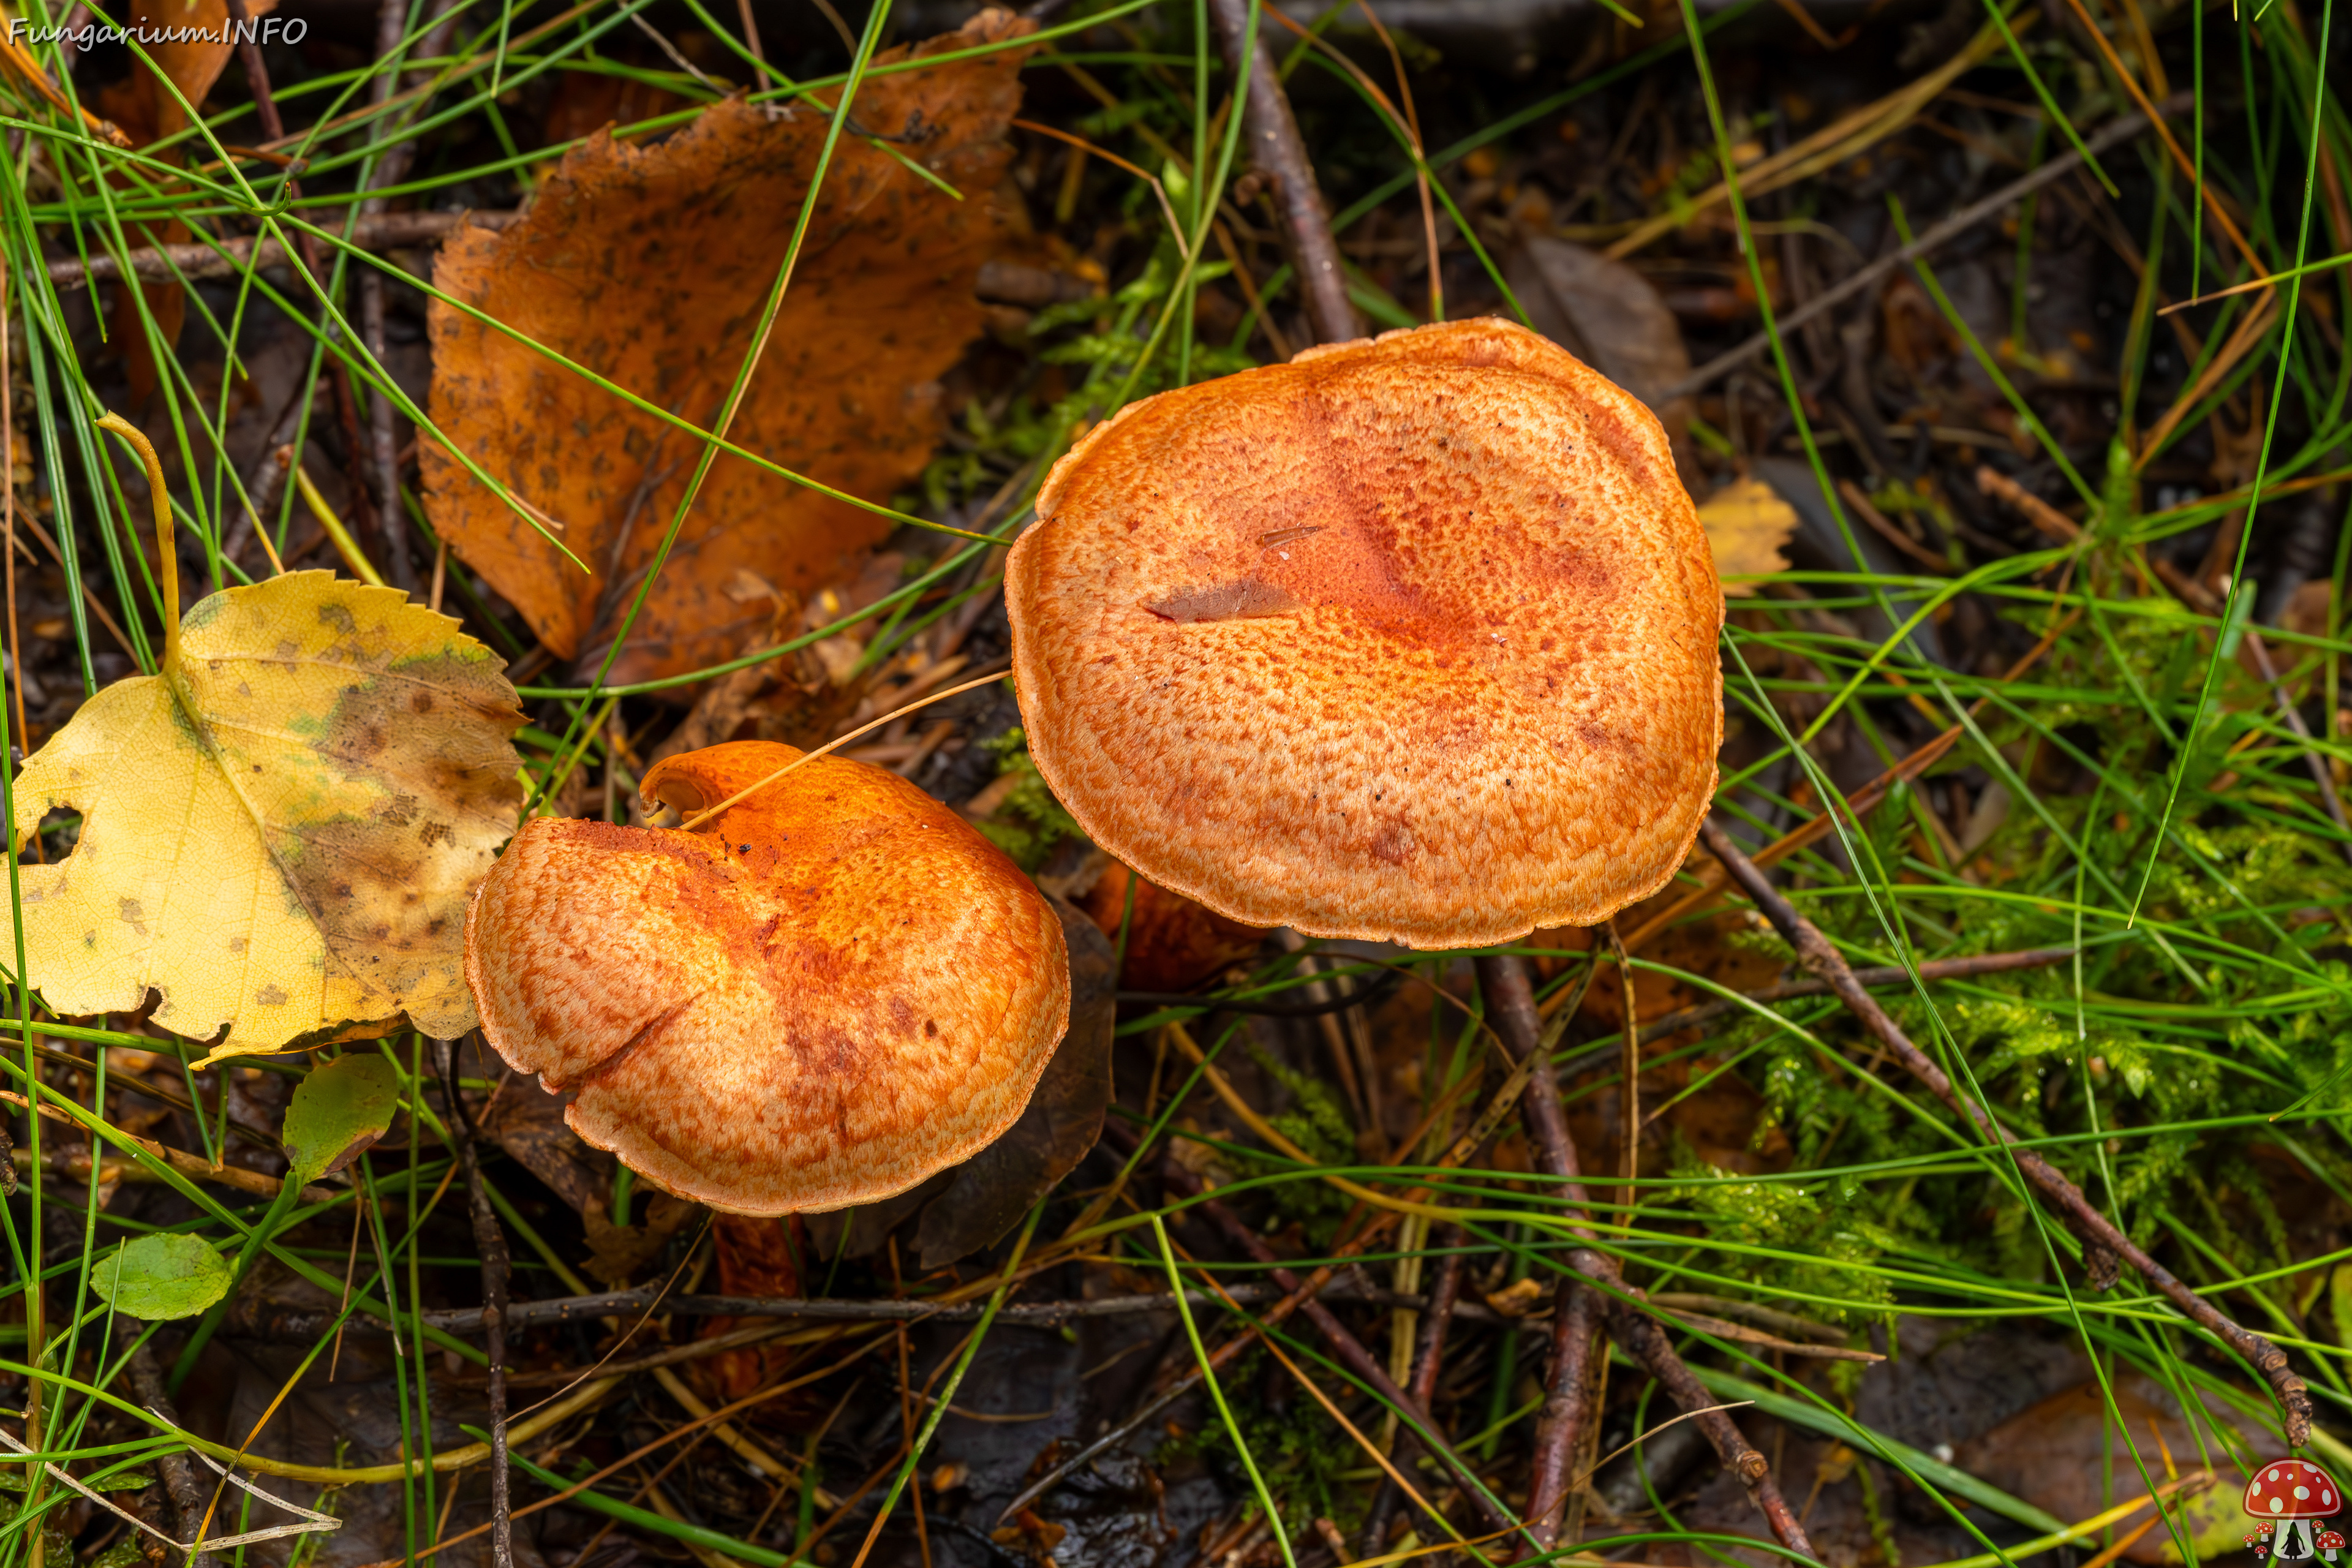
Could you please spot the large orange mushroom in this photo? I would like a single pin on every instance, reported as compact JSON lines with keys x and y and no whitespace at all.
{"x":1411,"y":638}
{"x":828,"y":992}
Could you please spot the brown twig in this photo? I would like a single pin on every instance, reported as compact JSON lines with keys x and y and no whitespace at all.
{"x":1276,"y":149}
{"x":180,"y":1160}
{"x":1859,"y":802}
{"x":384,"y":438}
{"x":1511,"y":1006}
{"x":1348,"y":1350}
{"x":2115,"y":133}
{"x":1564,"y":1417}
{"x":187,"y":1493}
{"x":229,"y":258}
{"x":1429,"y":1356}
{"x":2102,"y":1241}
{"x":1883,"y":974}
{"x":496,"y":1268}
{"x":1298,"y":1295}
{"x":2031,"y":507}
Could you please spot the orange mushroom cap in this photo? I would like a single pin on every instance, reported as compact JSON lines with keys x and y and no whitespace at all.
{"x":827,"y":994}
{"x":1411,"y":638}
{"x":2293,"y":1488}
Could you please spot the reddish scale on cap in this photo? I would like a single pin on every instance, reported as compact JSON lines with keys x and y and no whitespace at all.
{"x":2293,"y":1488}
{"x":829,"y":993}
{"x":1411,"y":638}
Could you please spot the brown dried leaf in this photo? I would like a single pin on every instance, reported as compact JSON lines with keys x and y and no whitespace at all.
{"x":189,"y":49}
{"x":528,"y":1123}
{"x":1610,"y":317}
{"x":2060,"y":1455}
{"x":650,"y":266}
{"x":617,"y":1252}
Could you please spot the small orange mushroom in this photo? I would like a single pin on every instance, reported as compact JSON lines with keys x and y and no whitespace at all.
{"x":827,"y":993}
{"x":1408,"y":640}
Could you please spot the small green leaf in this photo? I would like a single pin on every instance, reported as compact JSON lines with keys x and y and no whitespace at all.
{"x":337,"y":1112}
{"x":157,"y":1278}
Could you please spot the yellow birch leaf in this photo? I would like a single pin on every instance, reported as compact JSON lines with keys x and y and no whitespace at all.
{"x":1748,"y":525}
{"x":278,"y":833}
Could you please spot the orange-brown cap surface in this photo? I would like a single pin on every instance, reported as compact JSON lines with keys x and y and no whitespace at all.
{"x":821,"y":997}
{"x":1411,"y":638}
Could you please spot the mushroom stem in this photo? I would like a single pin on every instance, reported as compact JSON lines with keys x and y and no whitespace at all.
{"x":496,"y":1268}
{"x":1511,"y":1005}
{"x":2097,"y":1234}
{"x":1276,"y":148}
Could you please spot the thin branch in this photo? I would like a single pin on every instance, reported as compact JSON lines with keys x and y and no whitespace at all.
{"x":496,"y":1268}
{"x":2119,"y":130}
{"x":227,"y":258}
{"x":2103,"y":1242}
{"x":1276,"y":149}
{"x":1511,"y":1005}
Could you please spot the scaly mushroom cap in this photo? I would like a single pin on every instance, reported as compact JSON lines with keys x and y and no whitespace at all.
{"x":822,"y":997}
{"x":1411,"y":638}
{"x":2292,"y":1489}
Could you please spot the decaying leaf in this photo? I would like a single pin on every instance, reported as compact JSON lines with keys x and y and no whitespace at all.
{"x":2059,"y":1454}
{"x":528,"y":1123}
{"x":1611,"y":318}
{"x":339,"y":1112}
{"x":278,"y":833}
{"x":1747,"y":527}
{"x":190,"y":43}
{"x":616,"y":1253}
{"x":650,"y":266}
{"x":996,"y":1187}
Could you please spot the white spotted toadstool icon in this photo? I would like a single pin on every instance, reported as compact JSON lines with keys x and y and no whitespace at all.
{"x":2330,"y":1543}
{"x":2295,"y":1495}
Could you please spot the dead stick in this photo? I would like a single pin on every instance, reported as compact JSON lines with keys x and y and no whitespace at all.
{"x":1561,"y":1420}
{"x":1345,"y":1345}
{"x":2097,"y":1234}
{"x":1560,"y":1425}
{"x":338,"y":381}
{"x":496,"y":1270}
{"x":1276,"y":148}
{"x":1301,"y":1292}
{"x":1511,"y":1005}
{"x":187,"y":1494}
{"x":1968,"y":217}
{"x":1445,"y":1297}
{"x":226,"y":258}
{"x":1883,"y":974}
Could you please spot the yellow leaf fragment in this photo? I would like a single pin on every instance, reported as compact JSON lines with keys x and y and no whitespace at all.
{"x":279,"y":834}
{"x":1747,"y":526}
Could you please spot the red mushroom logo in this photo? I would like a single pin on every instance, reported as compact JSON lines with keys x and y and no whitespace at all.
{"x":2330,"y":1543}
{"x":2295,"y":1495}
